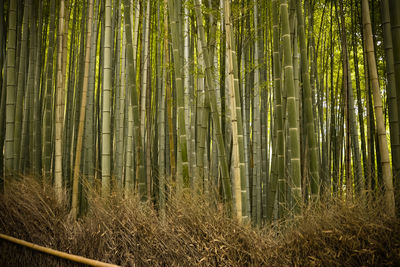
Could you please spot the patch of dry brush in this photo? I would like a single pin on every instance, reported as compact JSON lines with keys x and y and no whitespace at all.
{"x":127,"y":232}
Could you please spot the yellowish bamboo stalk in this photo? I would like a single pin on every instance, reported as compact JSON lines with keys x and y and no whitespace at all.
{"x":60,"y":254}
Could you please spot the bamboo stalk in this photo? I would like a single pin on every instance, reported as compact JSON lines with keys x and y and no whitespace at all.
{"x":60,"y":254}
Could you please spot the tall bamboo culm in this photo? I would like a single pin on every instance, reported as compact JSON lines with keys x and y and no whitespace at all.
{"x":383,"y":146}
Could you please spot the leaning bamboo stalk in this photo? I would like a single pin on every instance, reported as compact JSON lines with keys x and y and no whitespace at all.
{"x":59,"y":254}
{"x":210,"y":95}
{"x":75,"y":183}
{"x":378,"y":106}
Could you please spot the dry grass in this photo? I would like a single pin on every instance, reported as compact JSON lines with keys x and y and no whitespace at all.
{"x":127,"y":232}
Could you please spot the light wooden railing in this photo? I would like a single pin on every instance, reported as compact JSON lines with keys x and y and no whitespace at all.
{"x":56,"y":253}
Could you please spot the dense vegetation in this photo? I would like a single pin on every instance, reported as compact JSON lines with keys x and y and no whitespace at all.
{"x":124,"y":232}
{"x":265,"y":108}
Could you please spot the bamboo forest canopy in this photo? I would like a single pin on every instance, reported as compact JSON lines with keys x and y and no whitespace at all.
{"x":264,"y":105}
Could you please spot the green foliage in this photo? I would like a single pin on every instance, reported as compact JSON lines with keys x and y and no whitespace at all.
{"x":168,"y":94}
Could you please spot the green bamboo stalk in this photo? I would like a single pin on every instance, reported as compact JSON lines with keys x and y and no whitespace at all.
{"x":295,"y":181}
{"x":161,"y":118}
{"x":119,"y":106}
{"x":76,"y":95}
{"x":246,"y":138}
{"x":281,"y":177}
{"x":391,"y":91}
{"x":11,"y":87}
{"x":307,"y":101}
{"x":351,"y":110}
{"x":394,"y":9}
{"x":75,"y":188}
{"x":186,"y":80}
{"x":89,"y":143}
{"x":240,"y":132}
{"x":146,"y":103}
{"x":2,"y":124}
{"x":2,"y":92}
{"x":202,"y":115}
{"x":59,"y":121}
{"x":145,"y":59}
{"x":232,"y":85}
{"x":213,"y":104}
{"x":256,"y":211}
{"x":35,"y":126}
{"x":173,"y":7}
{"x":23,"y":149}
{"x":385,"y":161}
{"x":69,"y":129}
{"x":106,"y":108}
{"x":131,"y":87}
{"x":47,"y":120}
{"x":21,"y":82}
{"x":359,"y":99}
{"x":168,"y":91}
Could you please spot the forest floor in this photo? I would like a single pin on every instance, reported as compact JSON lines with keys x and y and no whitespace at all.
{"x":193,"y":232}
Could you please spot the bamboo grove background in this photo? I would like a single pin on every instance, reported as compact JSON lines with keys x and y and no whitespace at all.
{"x":266,"y":105}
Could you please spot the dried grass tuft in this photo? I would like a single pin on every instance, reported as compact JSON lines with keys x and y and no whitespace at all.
{"x":193,"y":232}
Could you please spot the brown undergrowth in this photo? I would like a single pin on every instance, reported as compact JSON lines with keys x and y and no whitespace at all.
{"x":193,"y":232}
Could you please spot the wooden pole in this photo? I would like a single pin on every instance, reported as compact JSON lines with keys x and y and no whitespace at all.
{"x":59,"y":254}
